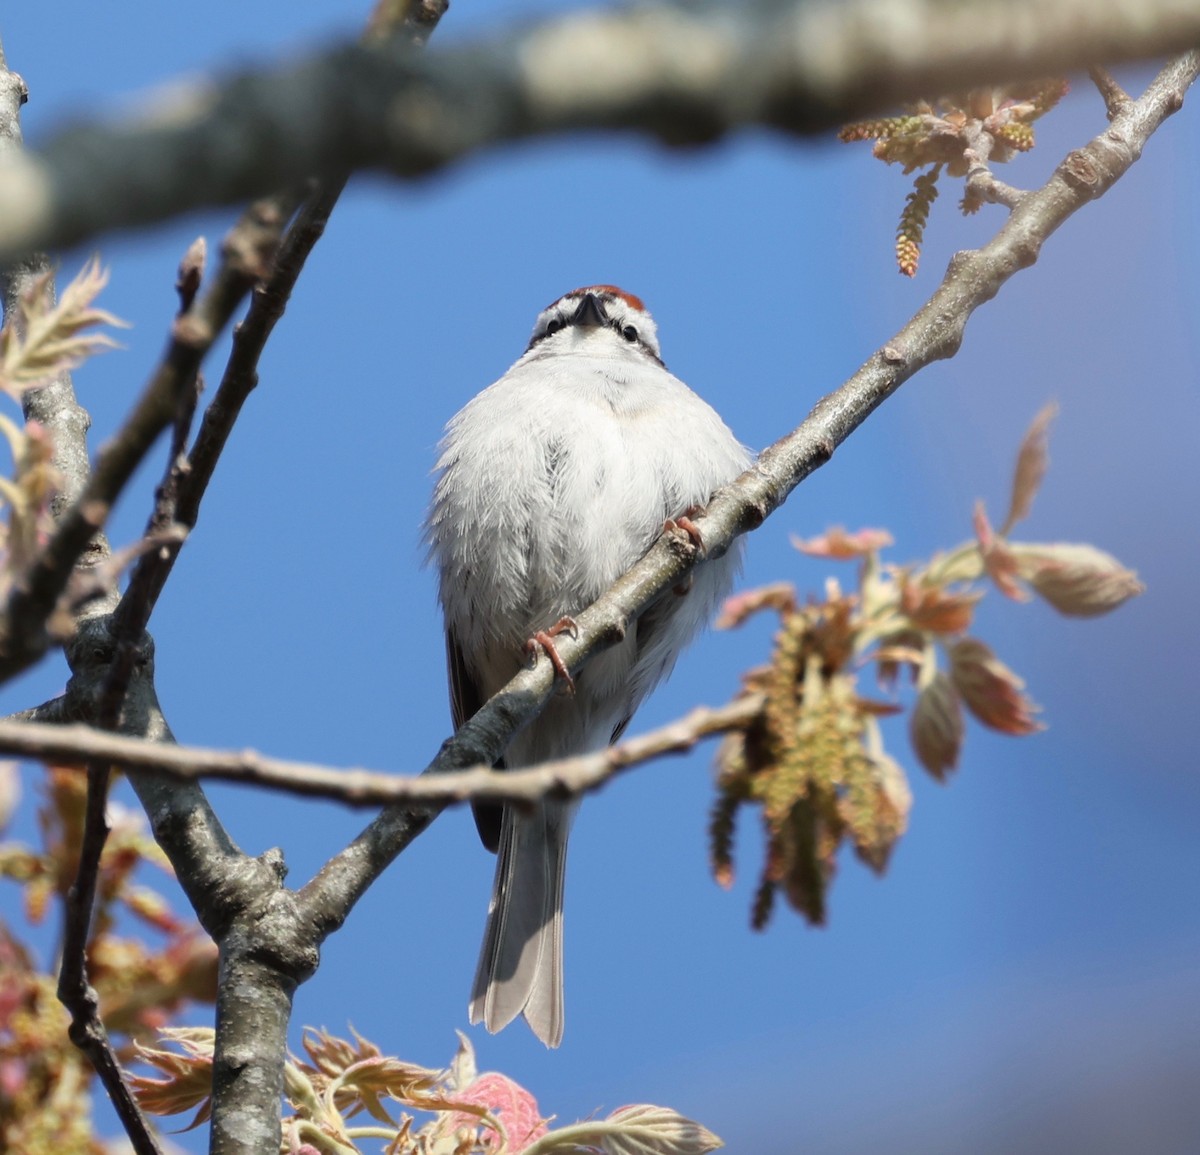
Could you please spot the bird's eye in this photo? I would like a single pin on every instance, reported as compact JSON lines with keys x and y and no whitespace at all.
{"x":629,"y":333}
{"x":553,"y":327}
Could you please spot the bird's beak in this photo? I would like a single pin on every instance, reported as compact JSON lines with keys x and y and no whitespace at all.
{"x":590,"y":311}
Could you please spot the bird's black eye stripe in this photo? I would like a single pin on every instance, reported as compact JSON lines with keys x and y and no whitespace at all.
{"x":627,"y":331}
{"x":554,"y":325}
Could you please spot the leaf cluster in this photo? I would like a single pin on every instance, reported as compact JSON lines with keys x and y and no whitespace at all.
{"x":342,"y":1093}
{"x":983,"y":125}
{"x":813,"y":760}
{"x":473,"y":1112}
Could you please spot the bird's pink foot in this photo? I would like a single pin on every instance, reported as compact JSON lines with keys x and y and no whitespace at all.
{"x":544,"y":640}
{"x":684,"y":522}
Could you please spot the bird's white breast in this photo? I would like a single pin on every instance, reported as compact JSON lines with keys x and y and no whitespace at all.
{"x":575,"y":462}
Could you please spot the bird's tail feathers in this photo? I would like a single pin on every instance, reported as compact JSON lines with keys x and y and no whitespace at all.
{"x":520,"y":967}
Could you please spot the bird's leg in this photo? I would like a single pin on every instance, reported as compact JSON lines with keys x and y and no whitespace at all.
{"x":544,"y":640}
{"x":685,"y":523}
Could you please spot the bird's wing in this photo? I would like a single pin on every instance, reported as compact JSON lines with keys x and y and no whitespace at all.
{"x":465,"y":700}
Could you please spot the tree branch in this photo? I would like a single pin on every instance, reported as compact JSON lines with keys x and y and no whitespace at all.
{"x":679,"y":74}
{"x":23,"y":637}
{"x":54,"y":406}
{"x":240,"y":901}
{"x":933,"y":334}
{"x":77,"y":744}
{"x":268,"y":303}
{"x":1116,"y":99}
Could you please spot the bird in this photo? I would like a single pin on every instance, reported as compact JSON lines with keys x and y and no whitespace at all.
{"x":550,"y":484}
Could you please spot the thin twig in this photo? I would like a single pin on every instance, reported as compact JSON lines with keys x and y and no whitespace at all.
{"x":77,"y":744}
{"x":129,"y":622}
{"x":267,"y":306}
{"x":87,"y":1029}
{"x":1116,"y":99}
{"x":982,"y":183}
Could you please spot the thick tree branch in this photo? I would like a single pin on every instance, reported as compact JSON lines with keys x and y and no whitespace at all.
{"x":933,"y":334}
{"x":680,"y":74}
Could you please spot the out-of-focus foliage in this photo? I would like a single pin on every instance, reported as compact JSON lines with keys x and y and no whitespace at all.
{"x":45,"y":1081}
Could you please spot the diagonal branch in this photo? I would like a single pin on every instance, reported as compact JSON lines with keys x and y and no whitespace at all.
{"x":680,"y":74}
{"x":268,"y":302}
{"x":933,"y":334}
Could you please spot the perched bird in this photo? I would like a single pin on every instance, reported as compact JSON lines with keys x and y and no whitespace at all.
{"x":551,"y":483}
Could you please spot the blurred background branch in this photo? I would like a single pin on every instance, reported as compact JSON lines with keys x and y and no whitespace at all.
{"x":683,"y":75}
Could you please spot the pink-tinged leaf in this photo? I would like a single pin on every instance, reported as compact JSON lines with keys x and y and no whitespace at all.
{"x":1077,"y":580}
{"x":841,"y":545}
{"x":937,"y":727}
{"x":513,"y":1106}
{"x":1032,"y":460}
{"x":990,"y":689}
{"x":934,"y":608}
{"x":998,"y":560}
{"x":188,"y":1072}
{"x":903,"y":648}
{"x":50,"y":336}
{"x":780,"y":596}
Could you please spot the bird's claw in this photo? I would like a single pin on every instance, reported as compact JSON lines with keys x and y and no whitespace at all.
{"x":684,"y":522}
{"x":544,"y":640}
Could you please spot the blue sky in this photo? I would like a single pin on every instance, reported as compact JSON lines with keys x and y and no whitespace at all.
{"x":1025,"y":977}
